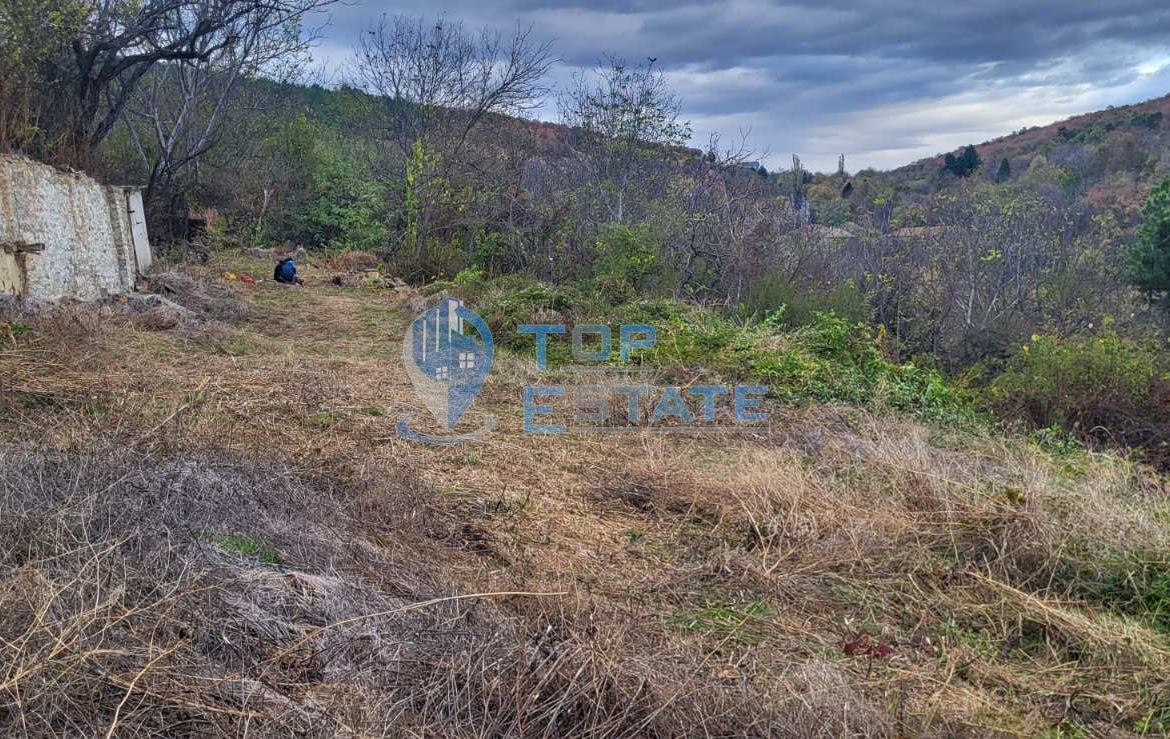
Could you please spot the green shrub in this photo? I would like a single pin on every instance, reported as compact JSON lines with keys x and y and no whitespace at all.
{"x":496,"y":253}
{"x":346,"y":205}
{"x":1149,"y":119}
{"x":1055,"y":440}
{"x":614,"y":290}
{"x":831,"y":359}
{"x":687,"y":336}
{"x":511,"y":301}
{"x":632,"y":255}
{"x":439,"y":260}
{"x":801,"y":305}
{"x":1070,"y":382}
{"x":469,"y":276}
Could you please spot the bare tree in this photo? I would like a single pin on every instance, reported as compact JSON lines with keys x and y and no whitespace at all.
{"x":121,"y":41}
{"x":182,"y":109}
{"x":729,"y":223}
{"x":625,"y":117}
{"x":436,"y":83}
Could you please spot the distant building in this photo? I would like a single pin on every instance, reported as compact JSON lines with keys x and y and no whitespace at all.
{"x":920,"y":232}
{"x":828,"y":233}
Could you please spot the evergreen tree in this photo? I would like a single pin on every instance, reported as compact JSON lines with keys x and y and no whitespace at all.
{"x":1149,"y":257}
{"x":969,"y":161}
{"x":965,"y":164}
{"x":1004,"y":172}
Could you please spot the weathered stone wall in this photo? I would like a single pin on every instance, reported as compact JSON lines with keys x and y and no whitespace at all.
{"x":62,"y":235}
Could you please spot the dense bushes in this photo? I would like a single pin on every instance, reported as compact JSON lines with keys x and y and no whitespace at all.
{"x":1103,"y":389}
{"x":795,"y":306}
{"x":631,"y":255}
{"x":961,"y":268}
{"x":829,"y":359}
{"x":34,"y":55}
{"x":832,"y":360}
{"x":345,"y":207}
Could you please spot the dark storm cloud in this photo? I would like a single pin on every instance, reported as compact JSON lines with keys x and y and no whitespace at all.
{"x":884,"y":81}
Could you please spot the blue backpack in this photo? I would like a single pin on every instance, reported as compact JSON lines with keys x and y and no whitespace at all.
{"x":286,"y":271}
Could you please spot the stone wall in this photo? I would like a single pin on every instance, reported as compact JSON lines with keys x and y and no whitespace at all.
{"x":62,"y":234}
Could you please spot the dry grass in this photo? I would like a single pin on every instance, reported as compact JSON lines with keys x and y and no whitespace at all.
{"x":215,"y":530}
{"x":204,"y":298}
{"x":349,"y":260}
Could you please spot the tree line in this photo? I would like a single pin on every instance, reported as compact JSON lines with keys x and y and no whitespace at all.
{"x":422,"y":155}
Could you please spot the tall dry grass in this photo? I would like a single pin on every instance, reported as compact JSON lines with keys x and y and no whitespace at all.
{"x":203,"y":532}
{"x":974,"y":565}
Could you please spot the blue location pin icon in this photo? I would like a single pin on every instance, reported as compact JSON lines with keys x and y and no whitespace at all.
{"x":446,"y":361}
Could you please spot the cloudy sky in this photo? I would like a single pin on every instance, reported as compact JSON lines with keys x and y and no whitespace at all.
{"x":884,"y":82}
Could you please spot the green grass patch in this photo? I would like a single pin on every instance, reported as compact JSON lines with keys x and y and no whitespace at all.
{"x":976,"y":640}
{"x":241,"y":544}
{"x":14,"y":331}
{"x":33,"y":401}
{"x":742,"y":624}
{"x":239,"y":346}
{"x":324,"y":419}
{"x":1136,"y":584}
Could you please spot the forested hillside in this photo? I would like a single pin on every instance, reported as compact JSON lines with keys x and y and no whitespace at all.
{"x":317,"y":168}
{"x":1110,"y":157}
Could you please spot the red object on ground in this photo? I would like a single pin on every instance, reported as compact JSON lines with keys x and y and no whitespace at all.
{"x":247,"y":279}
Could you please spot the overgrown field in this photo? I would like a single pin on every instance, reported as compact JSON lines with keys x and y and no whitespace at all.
{"x":209,"y":525}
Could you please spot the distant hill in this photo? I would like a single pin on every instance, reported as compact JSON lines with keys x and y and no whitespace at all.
{"x":1109,"y":156}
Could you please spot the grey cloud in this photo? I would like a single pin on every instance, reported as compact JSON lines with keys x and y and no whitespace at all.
{"x":877,"y":79}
